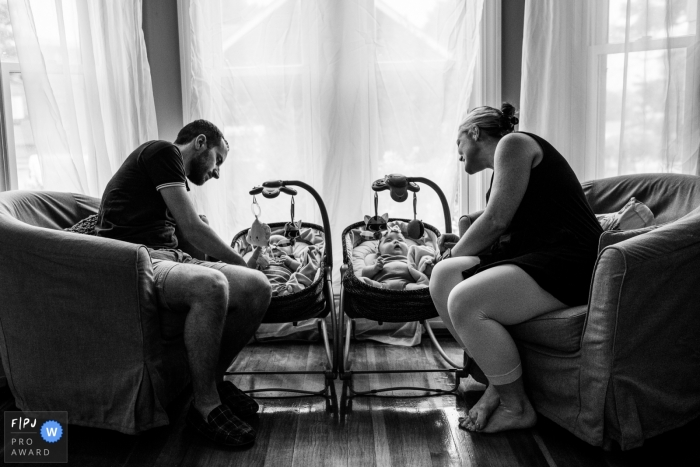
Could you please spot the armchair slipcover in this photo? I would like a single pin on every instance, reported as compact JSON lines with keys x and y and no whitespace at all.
{"x":80,"y":330}
{"x":626,"y":366}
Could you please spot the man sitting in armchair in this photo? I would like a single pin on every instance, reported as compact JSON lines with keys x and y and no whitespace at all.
{"x":223,"y":302}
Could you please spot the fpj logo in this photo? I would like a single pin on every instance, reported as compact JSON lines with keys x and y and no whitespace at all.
{"x":36,"y":437}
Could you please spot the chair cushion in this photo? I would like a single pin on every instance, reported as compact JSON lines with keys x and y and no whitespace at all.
{"x":559,"y":330}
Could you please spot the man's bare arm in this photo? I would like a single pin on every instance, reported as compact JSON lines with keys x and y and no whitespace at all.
{"x":197,"y":231}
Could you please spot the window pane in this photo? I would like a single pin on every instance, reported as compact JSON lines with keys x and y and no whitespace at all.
{"x":28,"y":165}
{"x":643,"y":123}
{"x":652,"y":19}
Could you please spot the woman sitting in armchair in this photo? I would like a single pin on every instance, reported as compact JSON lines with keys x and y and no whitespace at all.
{"x":532,"y":251}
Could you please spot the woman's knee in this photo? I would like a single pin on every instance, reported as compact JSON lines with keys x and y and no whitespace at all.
{"x":440,"y":270}
{"x":463,"y":307}
{"x":438,"y":280}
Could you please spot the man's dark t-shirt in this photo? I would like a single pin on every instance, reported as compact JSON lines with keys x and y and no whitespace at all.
{"x":132,"y":207}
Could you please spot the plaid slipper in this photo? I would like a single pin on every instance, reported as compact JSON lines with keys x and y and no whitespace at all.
{"x":221,"y":426}
{"x":238,"y":401}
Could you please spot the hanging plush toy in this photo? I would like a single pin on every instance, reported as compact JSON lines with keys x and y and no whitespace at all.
{"x":376,"y":223}
{"x":292,"y":229}
{"x":415,"y":228}
{"x":259,"y":232}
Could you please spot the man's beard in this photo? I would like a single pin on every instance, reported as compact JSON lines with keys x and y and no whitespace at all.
{"x":198,"y":169}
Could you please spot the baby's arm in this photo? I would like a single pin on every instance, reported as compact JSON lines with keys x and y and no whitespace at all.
{"x":374,"y":264}
{"x":291,"y":263}
{"x":420,"y":278}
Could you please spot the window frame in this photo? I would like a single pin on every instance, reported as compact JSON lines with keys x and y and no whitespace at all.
{"x":599,"y":50}
{"x":487,"y":91}
{"x":8,"y":162}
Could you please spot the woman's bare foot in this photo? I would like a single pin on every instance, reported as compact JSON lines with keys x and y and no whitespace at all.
{"x":511,"y":417}
{"x":481,"y":411}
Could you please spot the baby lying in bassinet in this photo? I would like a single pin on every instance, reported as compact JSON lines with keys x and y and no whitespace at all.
{"x":289,"y":272}
{"x":389,"y":268}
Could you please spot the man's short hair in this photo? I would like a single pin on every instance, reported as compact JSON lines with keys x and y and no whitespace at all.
{"x":201,"y":127}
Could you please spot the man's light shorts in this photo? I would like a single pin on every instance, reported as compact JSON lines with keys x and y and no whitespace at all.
{"x":164,"y":260}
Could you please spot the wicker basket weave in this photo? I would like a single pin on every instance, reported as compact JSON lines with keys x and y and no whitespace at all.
{"x":299,"y":306}
{"x":362,"y":300}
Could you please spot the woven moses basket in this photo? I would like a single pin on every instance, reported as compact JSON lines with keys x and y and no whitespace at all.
{"x":299,"y":306}
{"x":391,"y":306}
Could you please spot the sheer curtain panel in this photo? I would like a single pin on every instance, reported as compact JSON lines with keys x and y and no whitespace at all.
{"x":88,"y":87}
{"x":334,"y":93}
{"x":614,"y":85}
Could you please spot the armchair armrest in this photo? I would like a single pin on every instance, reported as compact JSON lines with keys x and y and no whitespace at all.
{"x":79,"y":323}
{"x":611,"y":237}
{"x":640,"y":345}
{"x":467,"y":220}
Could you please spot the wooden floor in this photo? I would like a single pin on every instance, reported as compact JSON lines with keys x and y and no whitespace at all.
{"x":383,"y":432}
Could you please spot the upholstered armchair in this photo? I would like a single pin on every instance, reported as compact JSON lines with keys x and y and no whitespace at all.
{"x":80,"y":329}
{"x":626,"y":367}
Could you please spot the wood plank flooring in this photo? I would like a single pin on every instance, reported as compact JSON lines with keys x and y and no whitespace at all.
{"x":377,"y":431}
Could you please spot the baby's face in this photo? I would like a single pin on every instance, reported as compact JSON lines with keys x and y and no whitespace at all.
{"x":283,"y":247}
{"x":393,"y":243}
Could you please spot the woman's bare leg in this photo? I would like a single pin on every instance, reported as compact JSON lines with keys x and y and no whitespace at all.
{"x":446,"y":275}
{"x":479,"y":308}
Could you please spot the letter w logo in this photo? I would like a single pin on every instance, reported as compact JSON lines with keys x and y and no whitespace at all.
{"x":52,"y":432}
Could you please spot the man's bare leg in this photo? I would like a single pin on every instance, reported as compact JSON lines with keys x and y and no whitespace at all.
{"x":249,"y":294}
{"x":202,"y":293}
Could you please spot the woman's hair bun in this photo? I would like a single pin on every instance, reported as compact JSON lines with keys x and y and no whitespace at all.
{"x":508,"y":110}
{"x":509,"y":118}
{"x":490,"y":121}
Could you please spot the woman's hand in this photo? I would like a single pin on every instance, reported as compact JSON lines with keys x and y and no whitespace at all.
{"x":447,"y":240}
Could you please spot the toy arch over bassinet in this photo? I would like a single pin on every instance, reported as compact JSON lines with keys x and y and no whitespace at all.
{"x":361,"y":300}
{"x":313,"y":302}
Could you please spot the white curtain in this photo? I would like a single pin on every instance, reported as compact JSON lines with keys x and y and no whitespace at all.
{"x":614,"y":85}
{"x":87,"y":84}
{"x":333,"y":93}
{"x":336,"y":94}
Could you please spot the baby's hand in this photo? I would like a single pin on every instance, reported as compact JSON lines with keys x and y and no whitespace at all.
{"x":262,"y":261}
{"x":252,"y":262}
{"x":379,"y":265}
{"x":429,"y":265}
